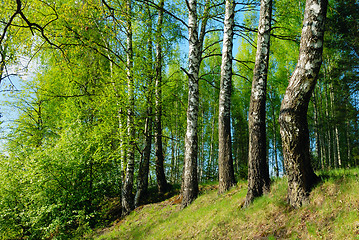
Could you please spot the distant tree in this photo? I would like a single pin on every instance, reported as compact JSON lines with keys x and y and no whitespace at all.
{"x":339,"y":86}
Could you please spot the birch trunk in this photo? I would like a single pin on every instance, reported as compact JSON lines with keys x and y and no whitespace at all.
{"x":190,"y":181}
{"x":127,"y":198}
{"x":190,"y":178}
{"x":348,"y":143}
{"x":293,"y":114}
{"x":338,"y":146}
{"x":160,"y":172}
{"x":225,"y":160}
{"x":258,"y":172}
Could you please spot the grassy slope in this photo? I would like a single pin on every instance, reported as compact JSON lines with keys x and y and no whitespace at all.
{"x":332,"y":214}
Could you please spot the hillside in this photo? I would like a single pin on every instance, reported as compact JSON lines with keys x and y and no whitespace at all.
{"x":333,"y":213}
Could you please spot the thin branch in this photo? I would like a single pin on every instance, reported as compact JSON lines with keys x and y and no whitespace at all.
{"x":176,"y":96}
{"x":153,"y":4}
{"x":185,"y":71}
{"x":18,"y":10}
{"x":212,"y":55}
{"x":38,"y":28}
{"x":210,"y":83}
{"x":241,"y":76}
{"x":244,"y":63}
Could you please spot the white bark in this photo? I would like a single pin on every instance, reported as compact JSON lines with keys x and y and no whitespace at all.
{"x":225,"y":161}
{"x":258,"y":171}
{"x":293,"y":115}
{"x":127,"y":201}
{"x":190,"y":184}
{"x":190,"y":181}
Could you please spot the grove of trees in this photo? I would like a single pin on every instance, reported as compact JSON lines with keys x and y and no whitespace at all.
{"x":106,"y":101}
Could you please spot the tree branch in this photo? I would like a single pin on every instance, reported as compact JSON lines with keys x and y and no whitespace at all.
{"x":153,"y":4}
{"x":8,"y":24}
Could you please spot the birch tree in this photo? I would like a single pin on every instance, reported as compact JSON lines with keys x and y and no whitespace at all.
{"x":293,"y":115}
{"x":258,"y":172}
{"x":190,"y":179}
{"x":127,"y":201}
{"x":225,"y":160}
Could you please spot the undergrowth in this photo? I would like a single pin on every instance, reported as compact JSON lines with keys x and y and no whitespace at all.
{"x":333,"y":213}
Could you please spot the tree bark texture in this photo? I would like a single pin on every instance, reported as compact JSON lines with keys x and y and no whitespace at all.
{"x":160,"y":172}
{"x":225,"y":160}
{"x":190,"y":178}
{"x":293,"y":114}
{"x":258,"y":171}
{"x":127,"y":198}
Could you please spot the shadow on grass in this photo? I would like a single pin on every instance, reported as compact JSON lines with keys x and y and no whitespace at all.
{"x":153,"y":196}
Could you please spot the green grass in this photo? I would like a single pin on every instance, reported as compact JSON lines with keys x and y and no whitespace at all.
{"x":333,"y":213}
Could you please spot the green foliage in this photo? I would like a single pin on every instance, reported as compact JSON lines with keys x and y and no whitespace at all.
{"x":57,"y":190}
{"x":64,"y":150}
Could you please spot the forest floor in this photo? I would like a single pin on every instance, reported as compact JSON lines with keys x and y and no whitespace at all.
{"x":333,"y":213}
